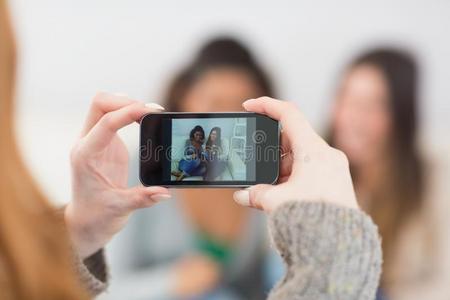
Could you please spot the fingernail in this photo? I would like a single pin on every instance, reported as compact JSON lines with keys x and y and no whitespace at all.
{"x":242,"y":197}
{"x":247,"y":101}
{"x":160,"y":197}
{"x":154,"y":106}
{"x":120,"y":94}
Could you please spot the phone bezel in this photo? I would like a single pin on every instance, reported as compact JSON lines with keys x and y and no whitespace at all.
{"x":263,"y":169}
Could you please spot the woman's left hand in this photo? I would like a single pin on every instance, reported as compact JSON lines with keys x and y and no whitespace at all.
{"x":101,"y":200}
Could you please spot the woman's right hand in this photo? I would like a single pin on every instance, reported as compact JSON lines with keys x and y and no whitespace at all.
{"x":310,"y":169}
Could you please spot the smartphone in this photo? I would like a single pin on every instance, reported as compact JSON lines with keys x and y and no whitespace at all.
{"x":236,"y":149}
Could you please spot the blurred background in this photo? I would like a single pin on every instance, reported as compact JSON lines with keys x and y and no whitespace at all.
{"x":69,"y":50}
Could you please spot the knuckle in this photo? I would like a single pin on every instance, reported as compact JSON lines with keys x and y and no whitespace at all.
{"x":137,"y":200}
{"x":99,"y":99}
{"x":322,"y":153}
{"x":107,"y":120}
{"x":265,"y":98}
{"x":135,"y":107}
{"x":78,"y":154}
{"x":266,"y":101}
{"x":291,"y":109}
{"x":141,"y":200}
{"x":258,"y":198}
{"x":340,"y":157}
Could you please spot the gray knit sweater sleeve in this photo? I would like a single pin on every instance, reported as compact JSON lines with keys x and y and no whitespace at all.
{"x":92,"y":272}
{"x":331,"y":252}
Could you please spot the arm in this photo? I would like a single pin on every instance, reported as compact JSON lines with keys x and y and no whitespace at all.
{"x":189,"y":152}
{"x":93,"y":272}
{"x":330,"y":247}
{"x":331,"y":252}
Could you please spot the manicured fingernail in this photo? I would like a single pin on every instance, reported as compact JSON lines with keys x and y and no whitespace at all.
{"x":120,"y":94}
{"x":242,"y":197}
{"x":160,"y":197}
{"x":247,"y":101}
{"x":154,"y":106}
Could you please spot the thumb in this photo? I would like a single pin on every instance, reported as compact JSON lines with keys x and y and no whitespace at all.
{"x":255,"y":196}
{"x":141,"y":196}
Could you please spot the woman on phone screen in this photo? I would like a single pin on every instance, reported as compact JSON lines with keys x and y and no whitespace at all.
{"x":193,"y":162}
{"x":215,"y":162}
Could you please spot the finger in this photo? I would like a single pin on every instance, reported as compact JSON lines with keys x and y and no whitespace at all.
{"x":141,"y":197}
{"x":293,"y":123}
{"x":102,"y":104}
{"x":296,"y":131}
{"x":289,"y":116}
{"x":258,"y":196}
{"x":286,"y":159}
{"x":284,"y":142}
{"x":104,"y":131}
{"x":282,"y":111}
{"x":286,"y":163}
{"x":283,"y":179}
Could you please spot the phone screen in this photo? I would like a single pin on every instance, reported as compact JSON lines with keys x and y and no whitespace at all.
{"x":221,"y":149}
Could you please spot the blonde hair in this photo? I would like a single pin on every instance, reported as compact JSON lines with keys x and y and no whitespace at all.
{"x":35,"y":257}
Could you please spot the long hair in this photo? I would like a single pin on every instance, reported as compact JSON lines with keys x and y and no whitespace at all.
{"x":35,"y":257}
{"x":218,"y":143}
{"x":197,"y":128}
{"x":217,"y":53}
{"x":399,"y":194}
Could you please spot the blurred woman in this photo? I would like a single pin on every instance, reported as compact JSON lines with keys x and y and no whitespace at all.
{"x":217,"y":248}
{"x":215,"y":162}
{"x":193,"y":162}
{"x":35,"y":257}
{"x":375,"y":124}
{"x":222,"y":76}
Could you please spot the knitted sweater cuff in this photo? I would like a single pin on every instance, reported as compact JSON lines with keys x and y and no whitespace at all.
{"x":92,"y":272}
{"x":328,"y":249}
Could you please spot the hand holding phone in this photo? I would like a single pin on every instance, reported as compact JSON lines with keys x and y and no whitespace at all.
{"x":101,"y":200}
{"x":310,"y":169}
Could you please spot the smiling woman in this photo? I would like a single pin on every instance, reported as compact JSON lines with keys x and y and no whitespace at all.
{"x":34,"y":253}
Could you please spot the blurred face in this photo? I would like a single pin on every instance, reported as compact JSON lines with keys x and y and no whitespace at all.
{"x":362,"y":120}
{"x":213,"y":136}
{"x":198,"y":137}
{"x":223,"y":89}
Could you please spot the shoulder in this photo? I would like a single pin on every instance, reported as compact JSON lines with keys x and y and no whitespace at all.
{"x":421,"y":245}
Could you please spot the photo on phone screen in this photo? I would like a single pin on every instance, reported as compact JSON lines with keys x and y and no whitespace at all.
{"x":208,"y":149}
{"x":211,"y":149}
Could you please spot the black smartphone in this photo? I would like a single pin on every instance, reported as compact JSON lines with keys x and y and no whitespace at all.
{"x":235,"y":149}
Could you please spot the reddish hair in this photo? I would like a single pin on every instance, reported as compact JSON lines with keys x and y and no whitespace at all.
{"x":35,"y":257}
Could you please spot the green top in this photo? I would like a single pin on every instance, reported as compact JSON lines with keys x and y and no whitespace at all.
{"x":218,"y":250}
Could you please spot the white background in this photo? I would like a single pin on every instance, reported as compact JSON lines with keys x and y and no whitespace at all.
{"x":71,"y":49}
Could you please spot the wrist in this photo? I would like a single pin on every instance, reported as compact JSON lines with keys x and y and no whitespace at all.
{"x":80,"y":233}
